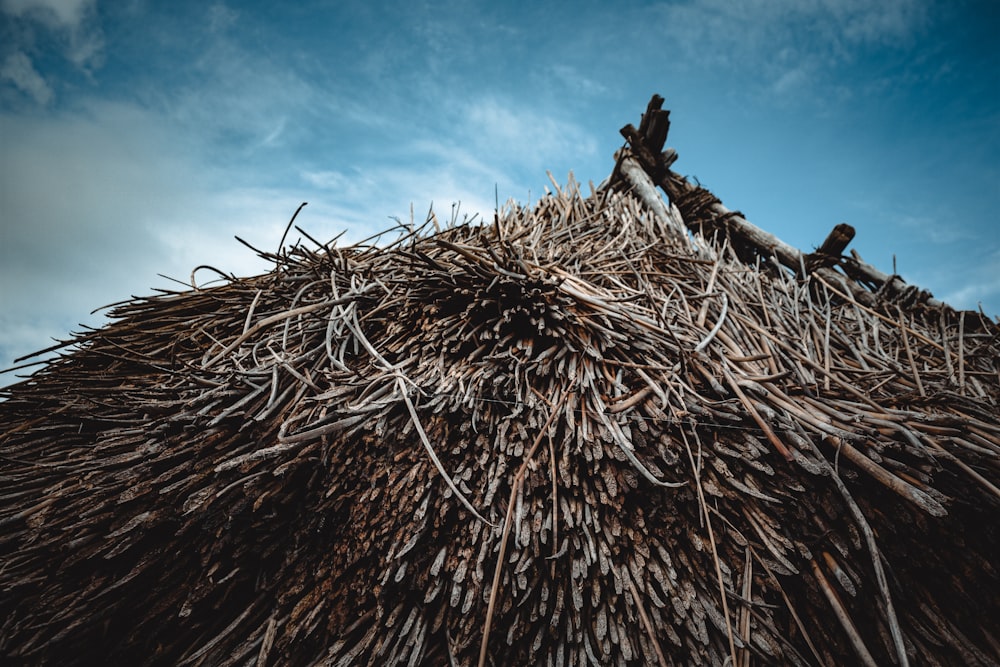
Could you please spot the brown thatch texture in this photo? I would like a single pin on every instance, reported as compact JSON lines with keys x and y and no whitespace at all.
{"x":569,"y":437}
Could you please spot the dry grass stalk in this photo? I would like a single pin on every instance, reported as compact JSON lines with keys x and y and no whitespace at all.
{"x":288,"y":468}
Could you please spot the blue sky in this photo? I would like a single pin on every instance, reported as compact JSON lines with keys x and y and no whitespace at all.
{"x":137,"y":138}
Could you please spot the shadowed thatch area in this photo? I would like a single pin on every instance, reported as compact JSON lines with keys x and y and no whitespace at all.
{"x":604,"y":429}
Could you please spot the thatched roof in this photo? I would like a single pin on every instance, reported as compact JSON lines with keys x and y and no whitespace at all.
{"x":605,"y":429}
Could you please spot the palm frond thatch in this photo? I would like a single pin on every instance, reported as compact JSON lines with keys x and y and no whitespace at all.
{"x":599,"y":430}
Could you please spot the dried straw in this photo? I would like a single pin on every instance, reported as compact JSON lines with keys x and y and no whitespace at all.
{"x":340,"y":462}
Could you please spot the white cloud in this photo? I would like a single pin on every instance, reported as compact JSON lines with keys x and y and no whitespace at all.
{"x":366,"y":199}
{"x":231,"y":93}
{"x":977,"y":283}
{"x":106,"y":199}
{"x":328,"y":180}
{"x":19,"y":70}
{"x":57,"y":14}
{"x":492,"y":146}
{"x":932,"y":230}
{"x":221,"y":18}
{"x":780,"y":41}
{"x":790,"y":80}
{"x":74,"y":21}
{"x":887,"y":22}
{"x":96,"y":205}
{"x":200,"y":230}
{"x":576,"y":81}
{"x":512,"y":132}
{"x":277,"y":129}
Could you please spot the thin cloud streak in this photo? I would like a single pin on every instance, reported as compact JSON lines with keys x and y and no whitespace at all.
{"x":779,"y":42}
{"x":20,"y":71}
{"x":58,"y":14}
{"x":73,"y":22}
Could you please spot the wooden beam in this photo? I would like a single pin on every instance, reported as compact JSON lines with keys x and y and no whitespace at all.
{"x":646,"y":145}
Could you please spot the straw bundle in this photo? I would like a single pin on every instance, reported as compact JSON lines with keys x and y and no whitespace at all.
{"x":577,"y":435}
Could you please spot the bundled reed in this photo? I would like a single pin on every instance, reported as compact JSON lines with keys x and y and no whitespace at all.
{"x":603,"y":429}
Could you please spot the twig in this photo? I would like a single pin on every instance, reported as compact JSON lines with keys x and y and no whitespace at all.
{"x":860,"y":650}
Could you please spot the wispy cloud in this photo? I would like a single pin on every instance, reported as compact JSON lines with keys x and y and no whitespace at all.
{"x":231,"y":94}
{"x":573,"y":79}
{"x":494,"y":126}
{"x":221,"y":18}
{"x":891,"y":22}
{"x":934,"y":231}
{"x":20,"y":71}
{"x":979,"y":283}
{"x":365,"y":199}
{"x":62,"y":14}
{"x":786,"y":43}
{"x":74,"y":23}
{"x":104,"y":199}
{"x":95,"y":205}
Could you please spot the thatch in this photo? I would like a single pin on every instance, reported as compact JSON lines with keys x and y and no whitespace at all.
{"x":577,"y":434}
